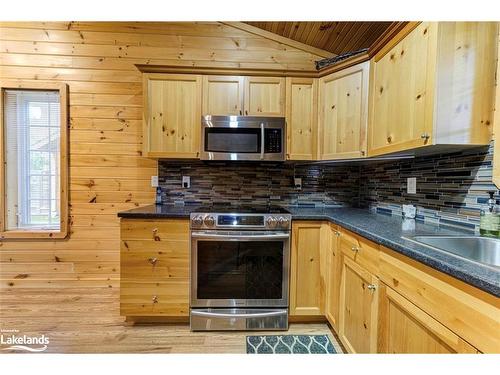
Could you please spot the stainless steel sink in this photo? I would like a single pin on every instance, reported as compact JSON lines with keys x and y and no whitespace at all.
{"x":478,"y":249}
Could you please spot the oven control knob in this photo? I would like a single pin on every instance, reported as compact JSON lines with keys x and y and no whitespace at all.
{"x":209,"y":221}
{"x":197,"y":220}
{"x":283,"y":221}
{"x":271,"y":221}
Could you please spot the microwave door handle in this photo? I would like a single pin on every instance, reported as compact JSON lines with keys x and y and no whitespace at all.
{"x":262,"y":141}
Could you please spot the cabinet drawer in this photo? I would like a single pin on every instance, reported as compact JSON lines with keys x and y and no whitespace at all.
{"x":149,"y":299}
{"x":148,"y":260}
{"x":155,"y":230}
{"x":360,"y":250}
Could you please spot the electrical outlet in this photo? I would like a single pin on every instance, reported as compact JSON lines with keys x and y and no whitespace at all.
{"x":186,"y":182}
{"x":411,"y":185}
{"x":154,"y":181}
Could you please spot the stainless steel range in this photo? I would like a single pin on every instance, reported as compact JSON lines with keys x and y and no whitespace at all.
{"x":240,"y":265}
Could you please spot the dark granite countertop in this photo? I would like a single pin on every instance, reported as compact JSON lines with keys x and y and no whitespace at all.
{"x":380,"y":228}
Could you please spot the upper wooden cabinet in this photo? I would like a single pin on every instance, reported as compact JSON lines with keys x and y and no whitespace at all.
{"x":223,"y":95}
{"x":172,"y":113}
{"x":343,"y":115}
{"x":265,"y":96}
{"x":301,"y":118}
{"x":308,"y":268}
{"x":433,"y":85}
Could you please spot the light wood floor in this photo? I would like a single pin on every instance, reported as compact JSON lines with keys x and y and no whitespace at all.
{"x":87,"y":320}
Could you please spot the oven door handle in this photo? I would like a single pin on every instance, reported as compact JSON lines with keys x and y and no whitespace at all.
{"x":238,"y":315}
{"x":238,"y":237}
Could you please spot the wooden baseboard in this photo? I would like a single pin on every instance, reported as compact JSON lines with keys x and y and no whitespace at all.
{"x":306,"y":319}
{"x":157,"y":319}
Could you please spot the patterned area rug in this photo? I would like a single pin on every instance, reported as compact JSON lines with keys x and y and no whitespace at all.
{"x":290,"y":344}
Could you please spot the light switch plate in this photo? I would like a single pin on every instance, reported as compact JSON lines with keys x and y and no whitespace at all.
{"x":186,"y":182}
{"x":297,"y":181}
{"x":154,"y":181}
{"x":411,"y":185}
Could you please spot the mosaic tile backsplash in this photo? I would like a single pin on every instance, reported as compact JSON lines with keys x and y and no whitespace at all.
{"x":451,"y":188}
{"x":239,"y":183}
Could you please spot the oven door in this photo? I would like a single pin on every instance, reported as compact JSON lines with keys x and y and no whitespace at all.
{"x":239,"y":269}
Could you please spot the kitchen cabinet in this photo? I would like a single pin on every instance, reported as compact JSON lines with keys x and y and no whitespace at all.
{"x":343,"y":113}
{"x":334,"y":270}
{"x":308,"y":268}
{"x":405,"y":328}
{"x":264,"y":96}
{"x":432,"y":85}
{"x":358,"y":305}
{"x":223,"y":95}
{"x":172,"y":112}
{"x":301,"y":118}
{"x":154,"y":267}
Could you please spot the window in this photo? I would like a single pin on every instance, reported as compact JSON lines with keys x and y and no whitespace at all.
{"x":34,"y":191}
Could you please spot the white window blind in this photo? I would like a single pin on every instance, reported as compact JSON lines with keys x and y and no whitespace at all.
{"x":32,"y":154}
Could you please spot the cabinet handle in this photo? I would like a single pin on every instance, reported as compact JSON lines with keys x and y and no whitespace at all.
{"x":155,"y":234}
{"x":371,"y":287}
{"x":355,"y":248}
{"x":246,"y":112}
{"x":425,"y":136}
{"x":153,"y":261}
{"x":241,"y":112}
{"x":155,"y":299}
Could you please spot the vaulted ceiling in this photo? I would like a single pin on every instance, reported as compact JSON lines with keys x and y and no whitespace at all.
{"x":335,"y":37}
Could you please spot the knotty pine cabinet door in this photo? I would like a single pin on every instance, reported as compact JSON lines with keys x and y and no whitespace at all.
{"x":223,"y":95}
{"x":334,"y":270}
{"x":154,"y":267}
{"x":343,"y":114}
{"x":264,"y":96}
{"x":358,"y":308}
{"x":402,"y":92}
{"x":301,"y":118}
{"x":172,"y":115}
{"x":405,"y":328}
{"x":308,"y":268}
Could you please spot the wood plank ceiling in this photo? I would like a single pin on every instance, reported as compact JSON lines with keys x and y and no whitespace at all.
{"x":335,"y":37}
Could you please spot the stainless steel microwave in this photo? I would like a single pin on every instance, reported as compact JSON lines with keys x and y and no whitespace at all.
{"x":242,"y":138}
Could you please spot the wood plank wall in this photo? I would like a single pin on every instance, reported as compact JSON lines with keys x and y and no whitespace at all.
{"x":107,"y":172}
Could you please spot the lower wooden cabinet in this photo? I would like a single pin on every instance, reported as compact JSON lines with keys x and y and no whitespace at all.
{"x":334,"y":269}
{"x":404,"y":328}
{"x":154,"y":267}
{"x":358,"y":308}
{"x":308,"y":268}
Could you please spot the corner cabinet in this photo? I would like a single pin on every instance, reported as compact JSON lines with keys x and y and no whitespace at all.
{"x":433,"y":85}
{"x":172,"y":112}
{"x":343,"y":113}
{"x":301,"y":118}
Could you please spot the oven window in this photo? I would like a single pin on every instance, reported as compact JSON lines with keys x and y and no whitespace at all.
{"x":232,"y":140}
{"x":240,"y":270}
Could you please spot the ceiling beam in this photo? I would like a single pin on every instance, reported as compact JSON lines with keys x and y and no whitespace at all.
{"x":280,"y":39}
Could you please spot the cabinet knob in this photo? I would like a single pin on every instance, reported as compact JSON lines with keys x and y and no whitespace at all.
{"x":337,"y":233}
{"x":389,"y":139}
{"x":153,"y":261}
{"x":155,"y":234}
{"x":355,"y":248}
{"x":371,"y":287}
{"x":425,"y":136}
{"x":155,"y":299}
